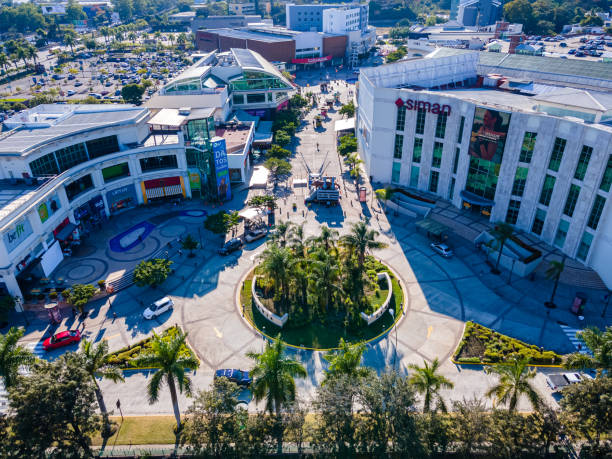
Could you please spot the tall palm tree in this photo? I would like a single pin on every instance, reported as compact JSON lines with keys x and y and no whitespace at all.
{"x":281,"y":232}
{"x":94,"y":357}
{"x":172,"y":365}
{"x":274,"y":379}
{"x":346,"y":361}
{"x":105,"y":31}
{"x":277,"y":263}
{"x":69,"y":40}
{"x":22,"y":54}
{"x":384,"y":194}
{"x":132,"y":37}
{"x":428,"y":382}
{"x":31,"y":52}
{"x":361,"y":240}
{"x":297,"y":240}
{"x":514,"y":381}
{"x":600,"y":344}
{"x":13,"y":356}
{"x":501,"y":233}
{"x":4,"y":61}
{"x":553,"y":272}
{"x":326,"y":239}
{"x":324,"y":275}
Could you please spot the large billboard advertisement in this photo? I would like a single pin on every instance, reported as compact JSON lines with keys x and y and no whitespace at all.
{"x":48,"y":207}
{"x":121,"y":198}
{"x":489,"y":132}
{"x":18,"y":233}
{"x":224,"y":192}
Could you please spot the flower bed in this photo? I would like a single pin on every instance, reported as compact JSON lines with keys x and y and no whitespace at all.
{"x":483,"y":345}
{"x":124,"y":357}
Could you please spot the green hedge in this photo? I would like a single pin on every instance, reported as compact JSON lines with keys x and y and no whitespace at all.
{"x":123,"y":357}
{"x":483,"y":345}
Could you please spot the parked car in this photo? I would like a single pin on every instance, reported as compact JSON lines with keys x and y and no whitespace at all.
{"x":159,"y":307}
{"x":560,"y":380}
{"x":70,"y":92}
{"x":78,"y":83}
{"x":236,"y":376}
{"x":441,"y":249}
{"x":230,"y":246}
{"x":255,"y":234}
{"x":61,"y":339}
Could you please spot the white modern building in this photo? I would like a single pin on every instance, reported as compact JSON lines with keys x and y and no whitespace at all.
{"x":521,"y":139}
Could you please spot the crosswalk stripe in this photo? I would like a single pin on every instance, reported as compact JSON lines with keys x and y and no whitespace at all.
{"x":577,"y":342}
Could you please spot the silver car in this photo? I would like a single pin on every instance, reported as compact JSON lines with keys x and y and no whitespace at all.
{"x":441,"y":249}
{"x":158,"y":308}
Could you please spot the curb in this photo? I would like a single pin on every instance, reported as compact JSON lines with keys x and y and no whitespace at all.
{"x":492,"y":364}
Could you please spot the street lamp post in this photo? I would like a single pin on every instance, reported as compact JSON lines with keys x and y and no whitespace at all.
{"x":392,"y":312}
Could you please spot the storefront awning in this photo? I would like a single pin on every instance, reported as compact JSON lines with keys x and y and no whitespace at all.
{"x":476,"y":200}
{"x":65,"y":232}
{"x":344,"y":125}
{"x":252,"y":213}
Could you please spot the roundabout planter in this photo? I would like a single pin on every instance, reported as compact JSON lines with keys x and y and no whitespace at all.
{"x":323,"y":333}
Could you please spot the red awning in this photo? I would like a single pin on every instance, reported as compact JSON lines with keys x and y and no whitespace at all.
{"x":311,"y":60}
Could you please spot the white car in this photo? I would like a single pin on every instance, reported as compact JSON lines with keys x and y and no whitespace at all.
{"x":255,"y":234}
{"x":158,"y":308}
{"x":441,"y":249}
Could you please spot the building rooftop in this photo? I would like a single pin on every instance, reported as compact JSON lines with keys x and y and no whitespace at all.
{"x":247,"y":34}
{"x":16,"y":192}
{"x":236,"y":136}
{"x":45,"y":123}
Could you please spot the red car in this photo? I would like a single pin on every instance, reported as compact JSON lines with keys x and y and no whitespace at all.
{"x":62,"y":339}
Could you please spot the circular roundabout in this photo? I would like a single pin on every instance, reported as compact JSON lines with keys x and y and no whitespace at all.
{"x":319,"y":325}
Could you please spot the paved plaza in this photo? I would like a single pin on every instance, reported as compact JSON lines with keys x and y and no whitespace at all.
{"x":441,"y":293}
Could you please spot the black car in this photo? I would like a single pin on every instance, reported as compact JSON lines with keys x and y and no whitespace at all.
{"x":230,"y":246}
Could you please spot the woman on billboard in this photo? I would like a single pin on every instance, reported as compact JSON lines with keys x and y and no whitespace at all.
{"x":489,"y":136}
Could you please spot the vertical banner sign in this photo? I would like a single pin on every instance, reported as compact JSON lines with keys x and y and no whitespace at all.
{"x":224,"y":192}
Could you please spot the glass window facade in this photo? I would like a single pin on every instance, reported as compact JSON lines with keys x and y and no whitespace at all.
{"x":561,"y":234}
{"x":395,"y":172}
{"x":520,"y":179}
{"x":238,"y":99}
{"x":513,"y":211}
{"x":584,"y":246}
{"x":79,"y":186}
{"x":434,"y":177}
{"x":401,"y":118}
{"x":417,"y":150}
{"x":456,"y":161}
{"x":441,"y":125}
{"x":538,"y":222}
{"x":250,"y":80}
{"x":102,"y":146}
{"x":572,"y":199}
{"x":461,"y":126}
{"x":529,"y":141}
{"x":420,"y":122}
{"x":557,"y":154}
{"x":115,"y":172}
{"x":547,"y":189}
{"x":436,"y":159}
{"x":482,"y":177}
{"x":45,"y":165}
{"x":583,"y":162}
{"x":606,"y":180}
{"x":256,"y":98}
{"x":200,"y":131}
{"x":398,"y":147}
{"x":451,"y":191}
{"x":158,"y":162}
{"x":596,"y":211}
{"x":71,"y":156}
{"x":414,"y":176}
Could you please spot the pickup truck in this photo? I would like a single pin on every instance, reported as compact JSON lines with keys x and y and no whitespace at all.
{"x":558,"y":381}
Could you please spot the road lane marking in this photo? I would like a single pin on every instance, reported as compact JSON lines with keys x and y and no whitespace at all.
{"x":218,"y":333}
{"x":429,"y":330}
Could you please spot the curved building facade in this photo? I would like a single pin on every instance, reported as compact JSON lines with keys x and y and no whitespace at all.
{"x":535,"y":154}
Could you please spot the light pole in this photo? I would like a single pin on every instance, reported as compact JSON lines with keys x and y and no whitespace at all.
{"x":392,"y":312}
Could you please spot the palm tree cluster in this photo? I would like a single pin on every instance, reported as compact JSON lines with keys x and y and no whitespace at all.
{"x":16,"y":51}
{"x":320,"y":276}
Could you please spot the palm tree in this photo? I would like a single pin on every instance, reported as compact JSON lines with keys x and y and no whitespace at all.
{"x":95,"y":364}
{"x":4,"y":61}
{"x":353,"y":160}
{"x":168,"y":357}
{"x":360,"y":240}
{"x":69,"y":40}
{"x":346,"y":361}
{"x":327,"y":238}
{"x":553,"y":272}
{"x":105,"y":31}
{"x":13,"y":356}
{"x":428,"y":382}
{"x":182,"y":38}
{"x":501,"y":233}
{"x":600,"y":344}
{"x":324,"y":276}
{"x":14,"y":58}
{"x":514,"y":381}
{"x":277,"y":263}
{"x":274,"y":379}
{"x":132,"y":37}
{"x":384,"y":194}
{"x":297,"y":240}
{"x":189,"y":243}
{"x":22,"y":54}
{"x":31,"y":52}
{"x":282,"y":232}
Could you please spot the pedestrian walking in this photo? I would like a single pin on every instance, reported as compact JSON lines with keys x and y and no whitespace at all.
{"x":74,"y":312}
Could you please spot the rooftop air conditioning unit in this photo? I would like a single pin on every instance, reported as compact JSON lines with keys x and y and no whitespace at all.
{"x":184,"y":111}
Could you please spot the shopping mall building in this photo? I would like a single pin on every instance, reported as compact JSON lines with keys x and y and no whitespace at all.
{"x":521,"y":139}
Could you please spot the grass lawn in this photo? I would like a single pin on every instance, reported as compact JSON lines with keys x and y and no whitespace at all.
{"x":318,"y":334}
{"x":141,"y":430}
